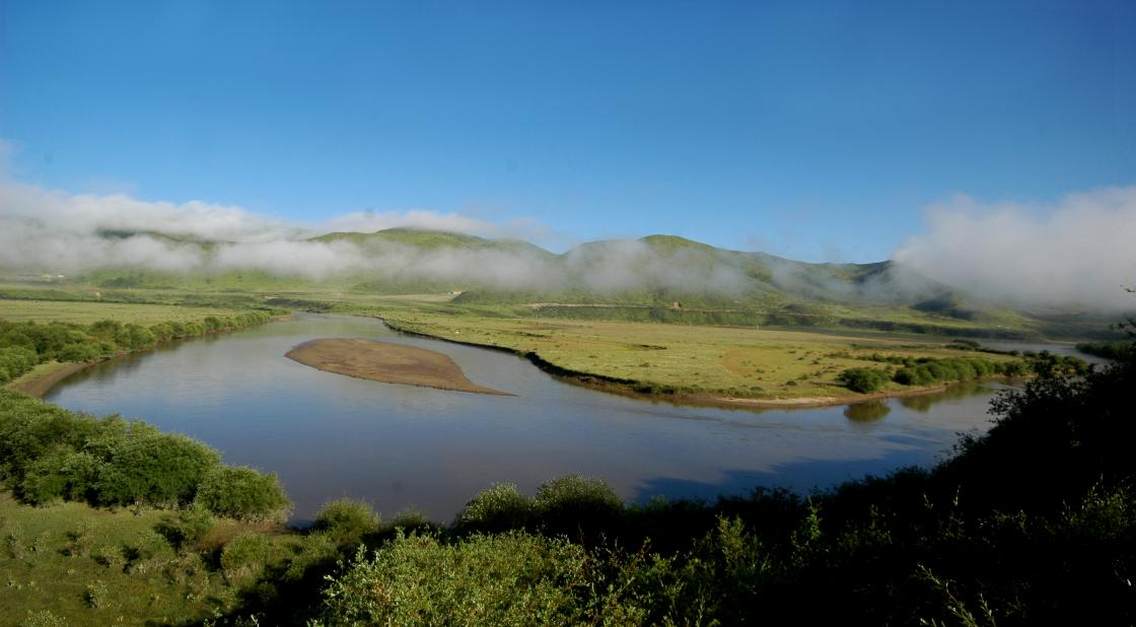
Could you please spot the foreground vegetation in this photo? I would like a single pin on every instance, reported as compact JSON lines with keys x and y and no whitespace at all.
{"x":1033,"y":522}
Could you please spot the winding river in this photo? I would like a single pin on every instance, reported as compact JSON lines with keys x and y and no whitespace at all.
{"x":402,"y":447}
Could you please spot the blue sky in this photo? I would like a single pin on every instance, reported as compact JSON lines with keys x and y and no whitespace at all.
{"x":815,"y":130}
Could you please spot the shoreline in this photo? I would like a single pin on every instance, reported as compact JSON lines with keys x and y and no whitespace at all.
{"x":628,"y":388}
{"x":38,"y":381}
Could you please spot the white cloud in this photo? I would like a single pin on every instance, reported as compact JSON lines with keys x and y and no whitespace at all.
{"x":42,"y":229}
{"x":1079,"y":252}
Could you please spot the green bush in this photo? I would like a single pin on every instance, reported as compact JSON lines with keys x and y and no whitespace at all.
{"x":15,"y":361}
{"x":409,"y":520}
{"x":1116,"y":350}
{"x":863,"y":380}
{"x":155,"y":468}
{"x":346,"y":520}
{"x":510,"y":579}
{"x":242,"y":493}
{"x":86,"y":351}
{"x":245,"y":558}
{"x":187,"y":527}
{"x":499,"y":508}
{"x":162,"y":331}
{"x":574,"y":505}
{"x":30,"y":429}
{"x":61,"y":474}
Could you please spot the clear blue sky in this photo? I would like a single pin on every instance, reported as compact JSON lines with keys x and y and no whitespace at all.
{"x":815,"y":130}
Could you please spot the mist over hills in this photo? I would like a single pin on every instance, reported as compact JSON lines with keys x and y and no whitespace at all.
{"x":1070,"y":256}
{"x":651,"y":269}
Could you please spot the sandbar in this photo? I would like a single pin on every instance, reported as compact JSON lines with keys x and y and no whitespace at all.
{"x":386,"y":362}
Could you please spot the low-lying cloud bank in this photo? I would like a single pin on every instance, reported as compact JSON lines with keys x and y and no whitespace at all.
{"x":1079,"y":253}
{"x":51,"y":231}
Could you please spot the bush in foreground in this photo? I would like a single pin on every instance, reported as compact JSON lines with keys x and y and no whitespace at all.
{"x":509,"y":579}
{"x":187,"y":527}
{"x":497,"y":508}
{"x":243,"y":493}
{"x":347,"y":520}
{"x":577,"y":506}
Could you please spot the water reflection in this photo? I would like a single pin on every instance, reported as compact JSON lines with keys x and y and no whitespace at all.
{"x":397,"y":446}
{"x":924,"y":402}
{"x":867,"y":411}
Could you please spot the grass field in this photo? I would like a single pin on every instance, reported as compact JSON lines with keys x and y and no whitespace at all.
{"x":88,"y":312}
{"x":723,"y":361}
{"x":100,"y":567}
{"x":686,"y":356}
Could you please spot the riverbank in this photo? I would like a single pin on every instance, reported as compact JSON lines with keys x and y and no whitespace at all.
{"x":42,"y":377}
{"x":386,"y":363}
{"x":646,"y":391}
{"x":45,"y":376}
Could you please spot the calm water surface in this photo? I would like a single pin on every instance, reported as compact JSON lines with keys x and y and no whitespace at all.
{"x":397,"y":447}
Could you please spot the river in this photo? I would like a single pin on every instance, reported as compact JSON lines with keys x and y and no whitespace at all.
{"x":401,"y":447}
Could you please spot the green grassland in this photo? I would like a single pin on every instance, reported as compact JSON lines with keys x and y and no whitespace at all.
{"x":720,"y":361}
{"x":83,"y":565}
{"x":694,"y":349}
{"x":88,"y":312}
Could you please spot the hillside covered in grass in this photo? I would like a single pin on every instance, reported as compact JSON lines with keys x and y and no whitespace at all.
{"x":658,"y":278}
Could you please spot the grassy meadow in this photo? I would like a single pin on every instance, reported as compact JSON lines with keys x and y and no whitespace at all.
{"x":77,"y":564}
{"x":89,"y":312}
{"x":706,"y":352}
{"x":775,"y":364}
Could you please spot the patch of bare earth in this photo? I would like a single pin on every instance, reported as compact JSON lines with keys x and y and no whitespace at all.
{"x":386,"y":362}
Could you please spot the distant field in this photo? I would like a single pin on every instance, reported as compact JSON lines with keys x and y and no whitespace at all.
{"x":88,"y":312}
{"x":757,"y":363}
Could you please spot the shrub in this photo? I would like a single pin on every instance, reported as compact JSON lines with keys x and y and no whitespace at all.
{"x":135,"y":337}
{"x":242,"y":493}
{"x":60,"y":474}
{"x":499,"y":508}
{"x":410,"y":520}
{"x":863,"y":380}
{"x":187,"y":527}
{"x":162,"y":331}
{"x":86,"y":351}
{"x":510,"y":579}
{"x":245,"y":557}
{"x":347,"y":520}
{"x":574,"y":505}
{"x":213,"y":324}
{"x":30,"y":429}
{"x":155,"y":468}
{"x":15,"y":361}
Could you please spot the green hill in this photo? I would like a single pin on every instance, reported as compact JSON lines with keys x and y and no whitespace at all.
{"x":657,"y":277}
{"x":428,"y":240}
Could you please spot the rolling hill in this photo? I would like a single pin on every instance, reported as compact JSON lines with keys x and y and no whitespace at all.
{"x":658,"y":277}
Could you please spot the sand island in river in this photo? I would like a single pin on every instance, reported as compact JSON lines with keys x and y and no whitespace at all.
{"x":386,"y":362}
